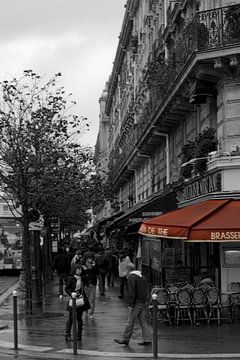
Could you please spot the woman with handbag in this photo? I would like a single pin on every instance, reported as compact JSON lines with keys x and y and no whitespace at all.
{"x":74,"y":284}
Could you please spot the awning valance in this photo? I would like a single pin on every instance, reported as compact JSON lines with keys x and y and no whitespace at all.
{"x":210,"y":220}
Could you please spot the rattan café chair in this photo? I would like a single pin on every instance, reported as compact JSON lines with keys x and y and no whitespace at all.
{"x":234,"y":287}
{"x":172,"y":289}
{"x":163,"y":304}
{"x":183,"y":306}
{"x":188,"y":286}
{"x":199,"y":305}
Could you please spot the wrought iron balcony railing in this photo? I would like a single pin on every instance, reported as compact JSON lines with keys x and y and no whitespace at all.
{"x":219,"y":27}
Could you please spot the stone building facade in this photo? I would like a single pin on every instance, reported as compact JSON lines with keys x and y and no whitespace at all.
{"x":173,"y":114}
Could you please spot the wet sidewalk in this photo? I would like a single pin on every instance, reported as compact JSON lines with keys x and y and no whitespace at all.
{"x":42,"y":333}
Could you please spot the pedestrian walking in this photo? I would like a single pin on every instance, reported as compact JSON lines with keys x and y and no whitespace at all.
{"x":89,"y":278}
{"x":62,"y":267}
{"x":124,"y":261}
{"x":74,"y":284}
{"x":77,"y":259}
{"x":102,"y":264}
{"x":112,"y":268}
{"x":138,"y":299}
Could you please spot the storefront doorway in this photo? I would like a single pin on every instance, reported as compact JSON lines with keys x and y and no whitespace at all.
{"x":170,"y":261}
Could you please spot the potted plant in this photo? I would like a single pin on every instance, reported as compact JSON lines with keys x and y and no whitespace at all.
{"x":204,"y":144}
{"x":198,"y":149}
{"x":187,"y":155}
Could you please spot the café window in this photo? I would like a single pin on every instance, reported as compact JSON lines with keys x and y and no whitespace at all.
{"x":231,"y":257}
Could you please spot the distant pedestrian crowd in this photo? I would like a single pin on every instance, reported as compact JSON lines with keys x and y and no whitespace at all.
{"x":80,"y":272}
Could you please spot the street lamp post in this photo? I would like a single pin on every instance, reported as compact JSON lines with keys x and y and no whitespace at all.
{"x":155,"y":335}
{"x":15,"y":320}
{"x":34,"y":236}
{"x":74,"y":320}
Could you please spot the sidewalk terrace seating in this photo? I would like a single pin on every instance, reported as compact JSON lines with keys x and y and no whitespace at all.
{"x":194,"y":304}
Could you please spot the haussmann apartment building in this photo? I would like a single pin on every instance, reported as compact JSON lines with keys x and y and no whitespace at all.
{"x":169,"y":140}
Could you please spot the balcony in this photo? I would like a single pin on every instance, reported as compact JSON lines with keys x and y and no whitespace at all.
{"x":224,"y":162}
{"x":211,"y":33}
{"x":219,"y":27}
{"x":229,"y":167}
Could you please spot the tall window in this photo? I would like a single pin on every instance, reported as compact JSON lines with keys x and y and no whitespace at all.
{"x":143,"y":181}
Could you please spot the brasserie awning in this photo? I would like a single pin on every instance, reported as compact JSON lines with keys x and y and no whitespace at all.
{"x":216,"y":220}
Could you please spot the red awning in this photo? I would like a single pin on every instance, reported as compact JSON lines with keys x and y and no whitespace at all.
{"x":210,"y":220}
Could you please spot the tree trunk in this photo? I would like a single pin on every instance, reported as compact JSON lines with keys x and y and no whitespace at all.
{"x":35,"y":264}
{"x":47,"y":253}
{"x":26,"y":261}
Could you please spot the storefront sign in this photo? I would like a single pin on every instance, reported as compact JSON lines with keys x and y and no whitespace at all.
{"x":145,"y":215}
{"x":225,"y":235}
{"x":203,"y":186}
{"x":154,"y":230}
{"x":147,"y":210}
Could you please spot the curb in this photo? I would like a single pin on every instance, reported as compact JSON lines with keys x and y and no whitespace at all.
{"x":86,"y":354}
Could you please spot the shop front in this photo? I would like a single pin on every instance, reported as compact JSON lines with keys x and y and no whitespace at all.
{"x":124,"y":228}
{"x":203,"y":238}
{"x":173,"y":261}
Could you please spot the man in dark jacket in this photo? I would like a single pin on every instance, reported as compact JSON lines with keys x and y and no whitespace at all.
{"x":138,"y":298}
{"x":62,"y":267}
{"x":102,"y":264}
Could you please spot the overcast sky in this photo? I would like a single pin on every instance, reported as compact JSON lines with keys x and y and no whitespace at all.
{"x":75,"y":37}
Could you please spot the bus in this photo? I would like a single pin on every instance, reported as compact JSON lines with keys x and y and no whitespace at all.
{"x":10,"y":239}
